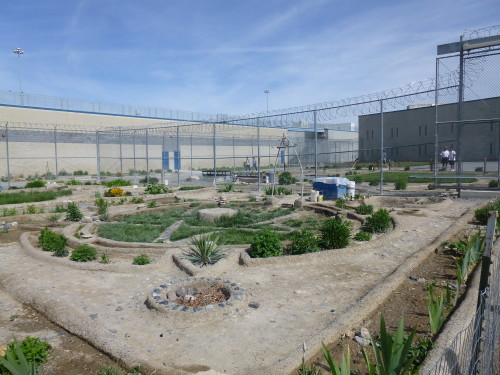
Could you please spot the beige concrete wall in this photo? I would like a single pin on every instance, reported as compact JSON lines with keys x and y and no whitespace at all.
{"x":29,"y":157}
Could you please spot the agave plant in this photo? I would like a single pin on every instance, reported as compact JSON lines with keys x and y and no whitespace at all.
{"x":204,"y":250}
{"x":344,"y":369}
{"x":436,"y":310}
{"x":16,"y":362}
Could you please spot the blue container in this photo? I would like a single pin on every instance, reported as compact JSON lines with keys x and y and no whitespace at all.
{"x":331,"y":187}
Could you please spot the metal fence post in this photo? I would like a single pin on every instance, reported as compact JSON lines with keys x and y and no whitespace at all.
{"x":436,"y":132}
{"x":98,"y":156}
{"x":147,"y":157}
{"x":178,"y":159}
{"x":7,"y":154}
{"x":191,"y":153}
{"x":381,"y":147}
{"x":133,"y":151}
{"x":315,"y":146}
{"x":55,"y":152}
{"x":121,"y":155}
{"x":234,"y":157}
{"x":258,"y":154}
{"x":214,"y":153}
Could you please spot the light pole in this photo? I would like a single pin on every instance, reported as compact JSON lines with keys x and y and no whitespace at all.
{"x":267,"y":91}
{"x":18,"y":51}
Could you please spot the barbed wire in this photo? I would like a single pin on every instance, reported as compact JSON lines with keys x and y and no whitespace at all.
{"x":481,"y":33}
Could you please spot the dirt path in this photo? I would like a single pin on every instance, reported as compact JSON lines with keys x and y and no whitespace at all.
{"x":298,"y":301}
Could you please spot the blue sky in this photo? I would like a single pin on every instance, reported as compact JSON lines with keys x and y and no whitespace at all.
{"x":219,"y":56}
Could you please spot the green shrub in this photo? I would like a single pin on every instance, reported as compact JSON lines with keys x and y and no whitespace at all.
{"x":278,"y":190}
{"x":73,"y":182}
{"x":102,"y":208}
{"x":204,"y":250}
{"x":117,"y":182}
{"x":374,"y":183}
{"x":358,"y":167}
{"x":141,"y":260}
{"x":51,"y":241}
{"x":401,"y":185}
{"x":73,"y":212}
{"x":31,"y":209}
{"x":152,"y":180}
{"x":378,"y":222}
{"x":493,"y":184}
{"x":84,"y":253}
{"x":32,"y":196}
{"x":191,"y":187}
{"x":431,"y":187}
{"x":35,"y":184}
{"x":152,"y":204}
{"x":363,"y":236}
{"x":335,"y":233}
{"x":266,"y":244}
{"x":286,"y":178}
{"x":80,"y":173}
{"x":303,"y":242}
{"x":341,"y":203}
{"x":109,"y":370}
{"x":407,"y":168}
{"x":479,"y":169}
{"x":157,"y":189}
{"x":227,"y":188}
{"x":364,"y":209}
{"x":61,"y":253}
{"x":34,"y":351}
{"x":252,"y":199}
{"x":137,"y":200}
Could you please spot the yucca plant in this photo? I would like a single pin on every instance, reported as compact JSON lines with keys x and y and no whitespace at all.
{"x":344,"y":369}
{"x":204,"y":250}
{"x":16,"y":362}
{"x":391,"y":356}
{"x":436,"y":310}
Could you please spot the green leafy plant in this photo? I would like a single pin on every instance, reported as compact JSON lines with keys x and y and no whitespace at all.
{"x":84,"y":253}
{"x":278,"y":190}
{"x":137,"y":200}
{"x":303,"y":242}
{"x":152,"y":204}
{"x":344,"y":369}
{"x":51,"y":241}
{"x":204,"y":250}
{"x":266,"y":243}
{"x":109,"y":370}
{"x":364,"y":209}
{"x":252,"y":199}
{"x":117,"y":182}
{"x":31,"y":209}
{"x":102,"y":208}
{"x":431,"y":187}
{"x":362,"y":236}
{"x":436,"y":310}
{"x":35,"y":184}
{"x":493,"y":183}
{"x":61,"y":253}
{"x":9,"y":212}
{"x":401,"y":185}
{"x":227,"y":188}
{"x":407,"y":168}
{"x":32,"y":196}
{"x":478,"y":169}
{"x":105,"y":259}
{"x":141,"y":260}
{"x":378,"y":222}
{"x":73,"y":213}
{"x":25,"y":358}
{"x":392,"y":354}
{"x":335,"y":233}
{"x":286,"y":178}
{"x":191,"y":188}
{"x":157,"y":189}
{"x":341,"y":203}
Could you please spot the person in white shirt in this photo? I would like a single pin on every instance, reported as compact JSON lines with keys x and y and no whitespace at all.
{"x":445,"y":157}
{"x":452,"y":158}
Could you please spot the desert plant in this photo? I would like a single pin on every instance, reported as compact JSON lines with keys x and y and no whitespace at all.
{"x":114,"y":192}
{"x":363,"y":236}
{"x":117,"y":182}
{"x":392,"y":354}
{"x":344,"y":369}
{"x":109,"y":370}
{"x":407,"y":168}
{"x":436,"y":310}
{"x":102,"y":208}
{"x":61,"y":253}
{"x":137,"y":200}
{"x":303,"y":242}
{"x":204,"y":250}
{"x":141,"y":260}
{"x":18,"y":358}
{"x":35,"y":184}
{"x":53,"y":218}
{"x":157,"y":189}
{"x":84,"y":253}
{"x":278,"y":190}
{"x":51,"y":241}
{"x":152,"y":204}
{"x":364,"y":209}
{"x":187,"y":188}
{"x":73,"y":213}
{"x":478,"y":169}
{"x":266,"y":243}
{"x":493,"y":183}
{"x":105,"y":258}
{"x":227,"y":188}
{"x":152,"y":180}
{"x":341,"y":203}
{"x":252,"y":199}
{"x":378,"y":222}
{"x":431,"y":187}
{"x":286,"y":178}
{"x":335,"y":233}
{"x":31,"y":209}
{"x":401,"y":185}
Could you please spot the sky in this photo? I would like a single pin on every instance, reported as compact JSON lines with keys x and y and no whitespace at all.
{"x":218,"y":56}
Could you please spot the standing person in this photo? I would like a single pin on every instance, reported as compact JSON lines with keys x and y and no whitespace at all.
{"x":445,"y":157}
{"x":452,"y":158}
{"x":384,"y":158}
{"x":254,"y":162}
{"x":246,"y":164}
